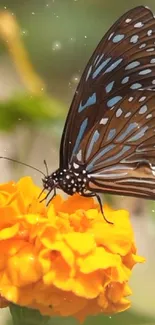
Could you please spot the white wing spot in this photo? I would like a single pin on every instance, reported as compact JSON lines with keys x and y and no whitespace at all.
{"x":149,"y":32}
{"x":75,"y":165}
{"x":128,"y":114}
{"x":153,"y":82}
{"x":119,"y":112}
{"x":143,"y":109}
{"x":152,"y":61}
{"x":110,"y":36}
{"x":139,"y":24}
{"x":148,"y":116}
{"x":142,"y":99}
{"x":104,"y":120}
{"x":130,"y":99}
{"x":150,"y":50}
{"x":134,"y":39}
{"x":128,"y":20}
{"x":142,"y":45}
{"x":146,"y":71}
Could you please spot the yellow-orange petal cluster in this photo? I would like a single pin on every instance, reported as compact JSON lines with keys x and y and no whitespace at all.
{"x":64,"y":259}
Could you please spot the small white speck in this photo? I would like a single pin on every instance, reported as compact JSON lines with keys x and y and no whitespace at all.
{"x":68,"y":176}
{"x":33,"y":13}
{"x":56,"y":45}
{"x":153,"y":82}
{"x":130,"y":99}
{"x":74,"y":189}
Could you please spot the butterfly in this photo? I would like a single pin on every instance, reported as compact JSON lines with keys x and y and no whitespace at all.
{"x":108,"y":142}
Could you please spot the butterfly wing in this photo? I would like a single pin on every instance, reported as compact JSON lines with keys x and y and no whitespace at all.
{"x":119,"y":152}
{"x":123,"y":62}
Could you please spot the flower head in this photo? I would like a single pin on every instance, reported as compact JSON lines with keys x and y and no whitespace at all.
{"x":64,"y":259}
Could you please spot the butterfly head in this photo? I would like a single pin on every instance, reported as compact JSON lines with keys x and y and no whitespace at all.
{"x":49,"y":182}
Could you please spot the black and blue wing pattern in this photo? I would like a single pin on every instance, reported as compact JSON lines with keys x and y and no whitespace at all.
{"x":122,"y":65}
{"x":119,"y":151}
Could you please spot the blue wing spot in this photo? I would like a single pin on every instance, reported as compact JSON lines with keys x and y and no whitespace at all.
{"x":80,"y":134}
{"x":99,"y":155}
{"x":134,"y":39}
{"x":132,"y":65}
{"x":146,"y":71}
{"x":139,"y":134}
{"x":130,"y":128}
{"x":111,"y":102}
{"x":89,"y":72}
{"x":118,"y":38}
{"x":92,"y":142}
{"x":114,"y":65}
{"x":143,"y":109}
{"x":125,"y":80}
{"x":99,"y":69}
{"x":91,"y":101}
{"x":111,"y":134}
{"x":109,"y":87}
{"x":118,"y":155}
{"x":136,"y":86}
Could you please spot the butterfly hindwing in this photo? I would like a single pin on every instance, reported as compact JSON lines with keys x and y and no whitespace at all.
{"x":119,"y":152}
{"x":123,"y":63}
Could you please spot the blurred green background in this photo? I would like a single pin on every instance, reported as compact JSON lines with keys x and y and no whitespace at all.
{"x":44,"y":46}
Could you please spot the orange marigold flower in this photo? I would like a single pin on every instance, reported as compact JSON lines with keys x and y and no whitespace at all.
{"x":64,"y":259}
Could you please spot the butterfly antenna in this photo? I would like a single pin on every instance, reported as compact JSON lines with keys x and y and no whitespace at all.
{"x":46,"y":167}
{"x":21,"y":163}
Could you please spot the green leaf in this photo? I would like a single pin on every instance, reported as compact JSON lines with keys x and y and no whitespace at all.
{"x":27,"y":316}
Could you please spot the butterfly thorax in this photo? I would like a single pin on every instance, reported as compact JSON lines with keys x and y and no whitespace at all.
{"x":69,"y":181}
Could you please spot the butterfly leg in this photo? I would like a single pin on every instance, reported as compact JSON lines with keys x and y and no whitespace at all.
{"x":48,"y":196}
{"x":54,"y":194}
{"x":101,"y":208}
{"x":100,"y":204}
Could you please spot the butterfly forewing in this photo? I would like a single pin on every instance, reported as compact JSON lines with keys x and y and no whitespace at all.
{"x":123,"y":63}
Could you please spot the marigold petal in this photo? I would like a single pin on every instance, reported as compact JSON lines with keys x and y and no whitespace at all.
{"x":99,"y":259}
{"x":82,"y":243}
{"x":9,"y":232}
{"x":64,"y":259}
{"x":23,"y":268}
